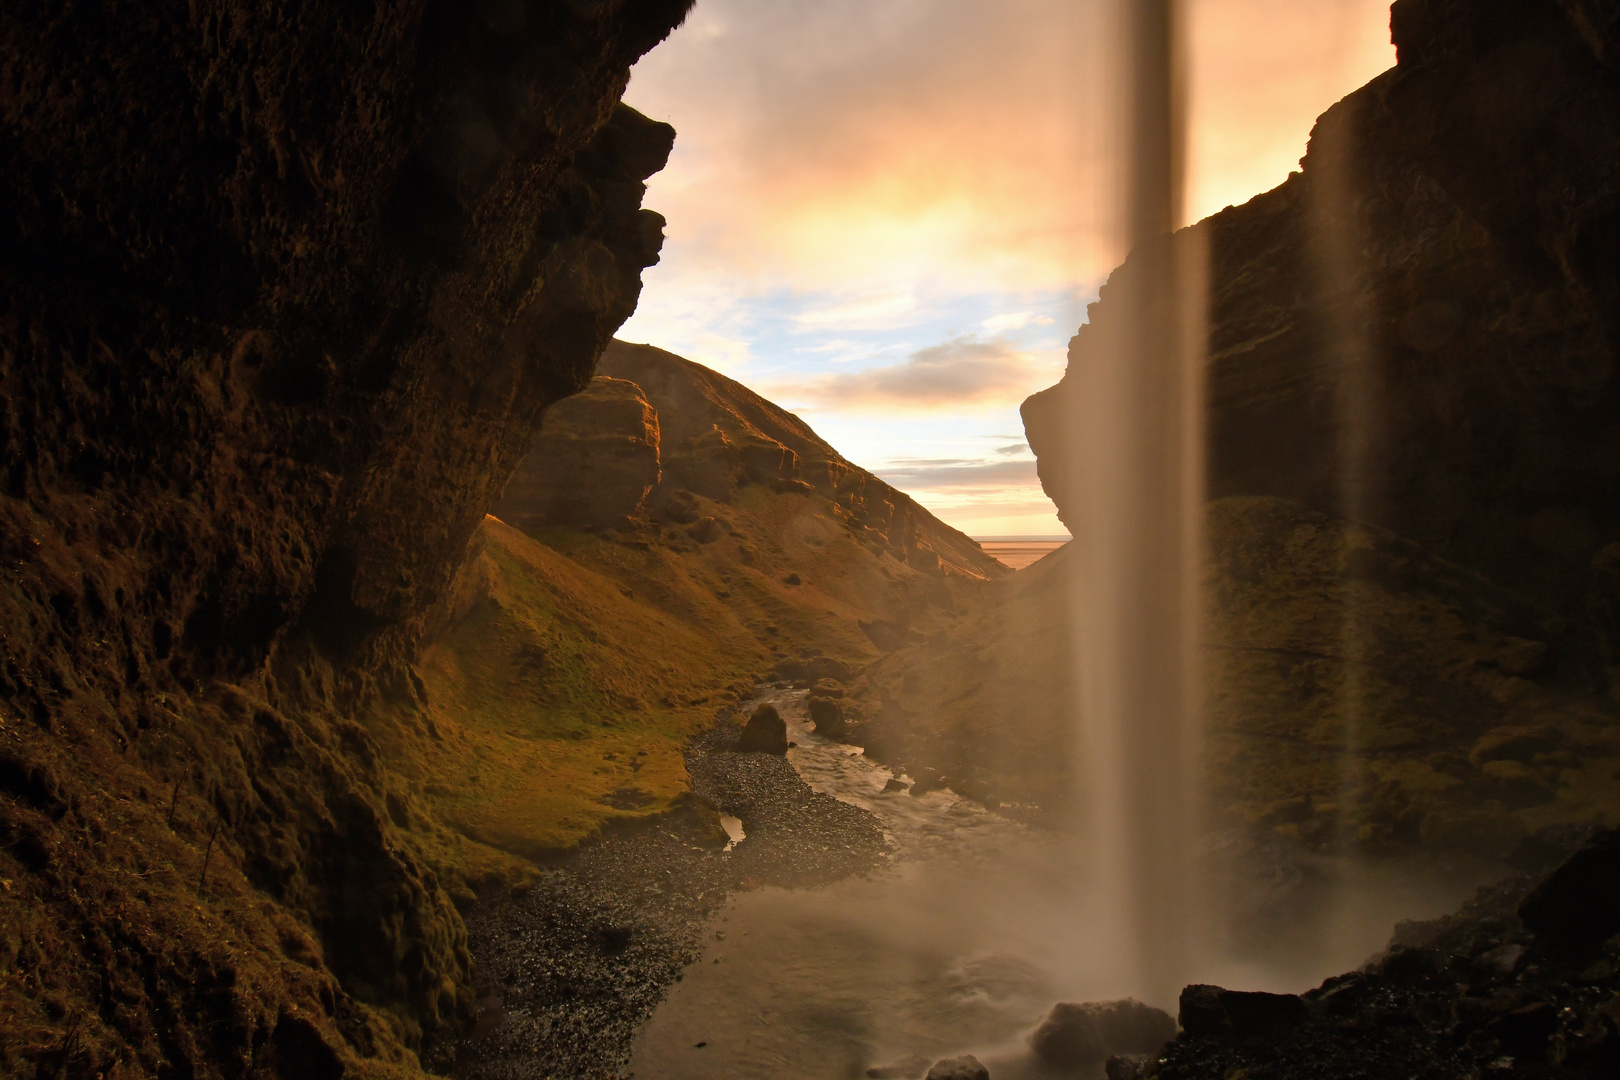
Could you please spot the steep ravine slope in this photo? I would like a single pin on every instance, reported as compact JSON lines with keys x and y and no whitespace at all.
{"x":283,"y":292}
{"x":599,"y":625}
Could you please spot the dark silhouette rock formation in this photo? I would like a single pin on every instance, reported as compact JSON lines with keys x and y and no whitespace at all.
{"x":592,"y":464}
{"x":1419,"y":329}
{"x":283,"y":292}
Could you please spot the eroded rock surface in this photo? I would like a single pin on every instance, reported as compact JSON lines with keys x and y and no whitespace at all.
{"x":283,"y":292}
{"x":1419,"y":329}
{"x":592,"y":464}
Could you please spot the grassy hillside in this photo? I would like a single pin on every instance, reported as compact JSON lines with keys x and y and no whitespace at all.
{"x":570,"y":666}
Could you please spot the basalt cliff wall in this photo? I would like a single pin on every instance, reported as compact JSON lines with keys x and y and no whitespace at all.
{"x":283,"y":293}
{"x":1419,"y":328}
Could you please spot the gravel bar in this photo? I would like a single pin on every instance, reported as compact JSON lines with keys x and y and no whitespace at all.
{"x":570,"y":970}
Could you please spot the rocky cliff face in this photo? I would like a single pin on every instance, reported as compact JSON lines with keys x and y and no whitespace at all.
{"x":592,"y":464}
{"x":282,"y":295}
{"x":719,"y":437}
{"x":1419,"y":329}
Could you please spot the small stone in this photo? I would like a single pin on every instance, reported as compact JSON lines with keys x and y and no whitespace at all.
{"x":966,"y":1067}
{"x":793,"y":579}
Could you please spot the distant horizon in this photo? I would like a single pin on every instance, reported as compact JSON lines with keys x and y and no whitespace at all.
{"x":1020,"y":539}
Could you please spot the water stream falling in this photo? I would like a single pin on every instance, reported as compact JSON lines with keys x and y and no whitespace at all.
{"x":1135,"y":407}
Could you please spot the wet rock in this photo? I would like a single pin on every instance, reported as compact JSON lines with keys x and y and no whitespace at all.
{"x":1215,"y":1012}
{"x":765,"y":732}
{"x":831,"y":688}
{"x":1073,"y":1035}
{"x":827,"y":717}
{"x":895,"y":784}
{"x":1125,"y":1066}
{"x":966,"y":1067}
{"x":1577,"y":907}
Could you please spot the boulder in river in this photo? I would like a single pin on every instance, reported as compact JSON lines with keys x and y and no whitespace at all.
{"x":1074,"y":1035}
{"x":1576,"y":908}
{"x":827,"y":716}
{"x":966,"y":1067}
{"x":765,"y":732}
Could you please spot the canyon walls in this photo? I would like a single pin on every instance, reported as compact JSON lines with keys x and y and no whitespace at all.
{"x":283,"y":292}
{"x":1419,"y":329}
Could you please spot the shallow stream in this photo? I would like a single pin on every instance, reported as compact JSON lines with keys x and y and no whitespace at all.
{"x":962,"y":944}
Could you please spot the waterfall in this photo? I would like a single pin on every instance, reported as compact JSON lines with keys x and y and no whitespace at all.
{"x":1136,"y":404}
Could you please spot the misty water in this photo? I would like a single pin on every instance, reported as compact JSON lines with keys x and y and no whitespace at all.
{"x":978,"y":925}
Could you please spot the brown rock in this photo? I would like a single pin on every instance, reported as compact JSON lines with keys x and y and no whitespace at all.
{"x":592,"y":463}
{"x":1074,"y":1035}
{"x":831,"y":688}
{"x":827,"y":717}
{"x":966,"y":1067}
{"x":765,"y":732}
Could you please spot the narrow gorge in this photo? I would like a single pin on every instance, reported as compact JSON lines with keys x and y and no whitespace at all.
{"x":383,"y":641}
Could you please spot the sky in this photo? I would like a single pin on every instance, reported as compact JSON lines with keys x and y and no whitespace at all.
{"x":889,"y":215}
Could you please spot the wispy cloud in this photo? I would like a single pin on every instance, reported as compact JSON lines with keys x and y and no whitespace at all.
{"x":963,"y":372}
{"x":1016,"y":321}
{"x":932,"y":474}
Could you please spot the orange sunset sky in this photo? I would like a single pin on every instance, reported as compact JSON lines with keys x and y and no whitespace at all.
{"x":888,"y":215}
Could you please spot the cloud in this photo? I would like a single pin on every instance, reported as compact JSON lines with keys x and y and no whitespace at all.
{"x":963,"y":139}
{"x":933,"y":474}
{"x":1014,"y":449}
{"x":1016,"y":321}
{"x":963,"y":372}
{"x":868,"y":313}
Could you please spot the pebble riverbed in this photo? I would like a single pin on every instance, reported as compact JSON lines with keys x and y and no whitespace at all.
{"x":570,"y":970}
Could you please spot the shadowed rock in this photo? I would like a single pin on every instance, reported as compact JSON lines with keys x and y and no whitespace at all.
{"x":966,"y":1067}
{"x":827,"y":716}
{"x":1577,"y":907}
{"x":1214,"y":1012}
{"x":1074,"y":1035}
{"x":592,"y":463}
{"x":765,"y":732}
